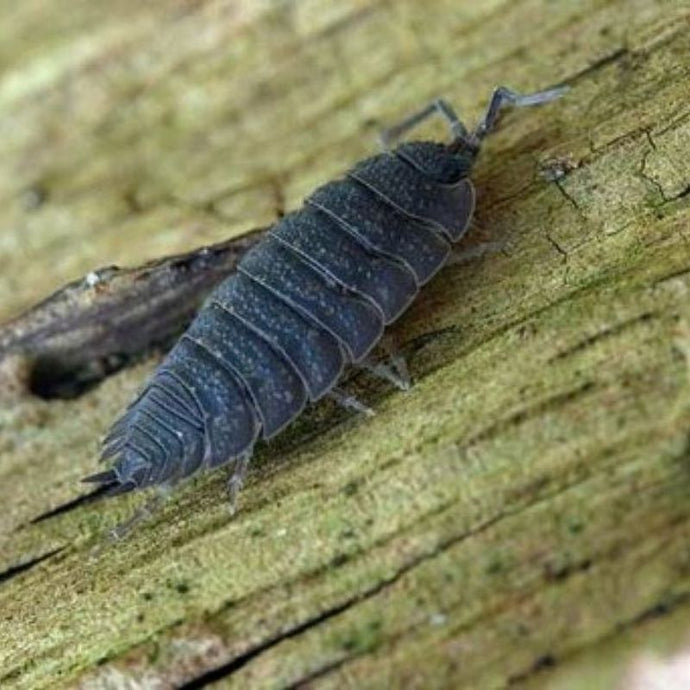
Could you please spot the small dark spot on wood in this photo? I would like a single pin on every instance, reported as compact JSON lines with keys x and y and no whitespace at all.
{"x":351,"y":488}
{"x":131,"y":199}
{"x":541,"y":663}
{"x":575,"y":526}
{"x":494,"y":566}
{"x":339,"y":560}
{"x":523,"y":629}
{"x":34,"y":197}
{"x":545,"y":661}
{"x":560,"y":572}
{"x":363,"y":640}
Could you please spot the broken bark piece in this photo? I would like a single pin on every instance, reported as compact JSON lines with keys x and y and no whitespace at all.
{"x":95,"y":325}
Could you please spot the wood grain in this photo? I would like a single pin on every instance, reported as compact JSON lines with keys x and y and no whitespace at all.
{"x":521,"y":517}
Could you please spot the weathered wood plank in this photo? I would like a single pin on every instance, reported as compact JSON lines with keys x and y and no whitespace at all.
{"x":524,"y":509}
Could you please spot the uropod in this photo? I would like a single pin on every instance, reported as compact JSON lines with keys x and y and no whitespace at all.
{"x":311,"y":298}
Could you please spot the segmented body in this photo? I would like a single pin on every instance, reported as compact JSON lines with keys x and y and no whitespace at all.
{"x":312,"y":297}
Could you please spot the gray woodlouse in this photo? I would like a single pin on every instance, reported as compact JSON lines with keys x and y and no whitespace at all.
{"x":313,"y":296}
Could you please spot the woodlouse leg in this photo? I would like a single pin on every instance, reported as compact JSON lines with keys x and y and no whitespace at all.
{"x":460,"y":254}
{"x":466,"y":254}
{"x":143,"y":512}
{"x":388,"y":372}
{"x":394,"y":370}
{"x":236,"y":481}
{"x":437,"y":107}
{"x":349,"y":402}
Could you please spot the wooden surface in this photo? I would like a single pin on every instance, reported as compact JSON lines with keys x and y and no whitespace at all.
{"x":521,"y":517}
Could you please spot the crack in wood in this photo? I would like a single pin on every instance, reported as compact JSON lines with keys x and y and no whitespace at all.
{"x":658,"y":610}
{"x":443,"y":545}
{"x":243,"y":659}
{"x":522,"y":414}
{"x":15,"y":570}
{"x":605,"y":333}
{"x":68,"y":506}
{"x":604,"y":61}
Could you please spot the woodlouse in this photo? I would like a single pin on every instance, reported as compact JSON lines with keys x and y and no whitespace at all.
{"x":310,"y":298}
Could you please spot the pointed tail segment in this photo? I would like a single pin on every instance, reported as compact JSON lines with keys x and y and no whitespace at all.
{"x":109,"y":483}
{"x":193,"y":413}
{"x":107,"y":477}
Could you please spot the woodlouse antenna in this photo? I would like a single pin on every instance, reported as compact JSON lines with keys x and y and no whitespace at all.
{"x":438,"y":107}
{"x":503,"y":96}
{"x":460,"y":137}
